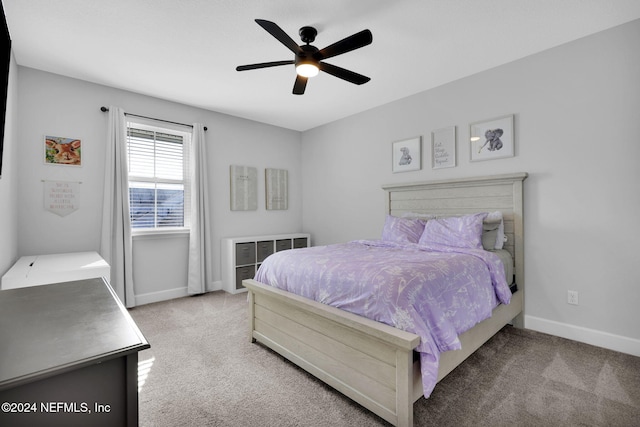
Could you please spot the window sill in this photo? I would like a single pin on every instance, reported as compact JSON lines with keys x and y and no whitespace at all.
{"x":160,"y":233}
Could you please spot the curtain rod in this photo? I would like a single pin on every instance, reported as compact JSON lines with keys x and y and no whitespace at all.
{"x":105,"y":109}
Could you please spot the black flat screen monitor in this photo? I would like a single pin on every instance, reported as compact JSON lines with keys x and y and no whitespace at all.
{"x":5,"y":62}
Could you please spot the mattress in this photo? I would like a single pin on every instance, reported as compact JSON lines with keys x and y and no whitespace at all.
{"x":507,"y":260}
{"x":39,"y":270}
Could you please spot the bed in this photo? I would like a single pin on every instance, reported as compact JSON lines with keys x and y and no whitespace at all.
{"x":371,"y":362}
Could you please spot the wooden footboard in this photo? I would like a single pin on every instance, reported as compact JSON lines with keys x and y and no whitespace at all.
{"x":367,"y":361}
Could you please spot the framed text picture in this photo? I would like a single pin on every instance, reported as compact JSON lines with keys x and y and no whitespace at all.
{"x":276,"y":189}
{"x":244,"y":188}
{"x":443,"y":148}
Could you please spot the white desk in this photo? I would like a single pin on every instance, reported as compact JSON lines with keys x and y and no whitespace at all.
{"x":46,"y":269}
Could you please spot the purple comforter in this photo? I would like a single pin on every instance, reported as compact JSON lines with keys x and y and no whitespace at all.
{"x":436,"y":294}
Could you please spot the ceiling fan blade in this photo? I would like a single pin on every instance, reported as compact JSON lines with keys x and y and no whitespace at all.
{"x":263,"y":65}
{"x":277,"y":32}
{"x":300,"y":85}
{"x":348,"y":44}
{"x":343,"y":74}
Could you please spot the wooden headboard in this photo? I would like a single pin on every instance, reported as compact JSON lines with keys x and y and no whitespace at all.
{"x":468,"y":195}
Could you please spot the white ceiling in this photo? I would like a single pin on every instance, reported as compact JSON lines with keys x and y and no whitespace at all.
{"x":187,"y":50}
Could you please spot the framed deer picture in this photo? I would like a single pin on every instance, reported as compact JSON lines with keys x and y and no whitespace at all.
{"x":62,"y":151}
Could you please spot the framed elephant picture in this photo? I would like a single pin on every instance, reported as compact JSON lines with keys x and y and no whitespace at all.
{"x":492,"y":139}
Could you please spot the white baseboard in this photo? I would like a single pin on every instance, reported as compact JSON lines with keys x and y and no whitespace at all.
{"x":168,"y":294}
{"x":585,"y":335}
{"x":216,"y":286}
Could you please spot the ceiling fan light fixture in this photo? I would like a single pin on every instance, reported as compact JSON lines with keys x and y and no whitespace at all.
{"x":308,"y":59}
{"x":307,"y":69}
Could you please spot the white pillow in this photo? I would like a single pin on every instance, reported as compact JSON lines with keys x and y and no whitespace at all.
{"x":500,"y":237}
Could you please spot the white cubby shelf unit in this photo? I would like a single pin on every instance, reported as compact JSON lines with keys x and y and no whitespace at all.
{"x":241,"y":256}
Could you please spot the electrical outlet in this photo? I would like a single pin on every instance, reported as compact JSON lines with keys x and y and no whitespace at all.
{"x":572,"y":297}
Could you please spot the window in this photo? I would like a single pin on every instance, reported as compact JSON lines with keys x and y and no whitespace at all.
{"x":158,"y":178}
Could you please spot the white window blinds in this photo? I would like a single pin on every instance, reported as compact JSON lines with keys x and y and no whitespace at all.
{"x":156,"y":178}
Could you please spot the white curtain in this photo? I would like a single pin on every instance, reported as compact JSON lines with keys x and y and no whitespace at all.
{"x":115,"y":242}
{"x":200,"y":229}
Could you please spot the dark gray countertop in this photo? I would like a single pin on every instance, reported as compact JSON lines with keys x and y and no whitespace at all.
{"x":50,"y":329}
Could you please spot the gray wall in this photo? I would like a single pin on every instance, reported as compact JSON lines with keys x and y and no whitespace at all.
{"x":9,"y":178}
{"x":576,"y":118}
{"x":55,"y":105}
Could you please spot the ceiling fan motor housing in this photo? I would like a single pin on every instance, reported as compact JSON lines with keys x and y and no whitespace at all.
{"x":308,"y":34}
{"x":307,"y":57}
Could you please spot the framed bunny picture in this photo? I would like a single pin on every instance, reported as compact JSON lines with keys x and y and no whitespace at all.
{"x":62,"y":151}
{"x":492,"y":139}
{"x":407,"y":155}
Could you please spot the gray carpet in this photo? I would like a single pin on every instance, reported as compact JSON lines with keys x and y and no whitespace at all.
{"x":205,"y":372}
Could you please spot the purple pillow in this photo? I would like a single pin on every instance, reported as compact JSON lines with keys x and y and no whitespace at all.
{"x":460,"y":232}
{"x":402,"y":230}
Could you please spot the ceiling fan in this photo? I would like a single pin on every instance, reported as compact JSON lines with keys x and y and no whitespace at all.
{"x":309,"y":59}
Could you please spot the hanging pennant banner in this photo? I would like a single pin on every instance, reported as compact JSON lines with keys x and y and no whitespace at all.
{"x":61,"y":197}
